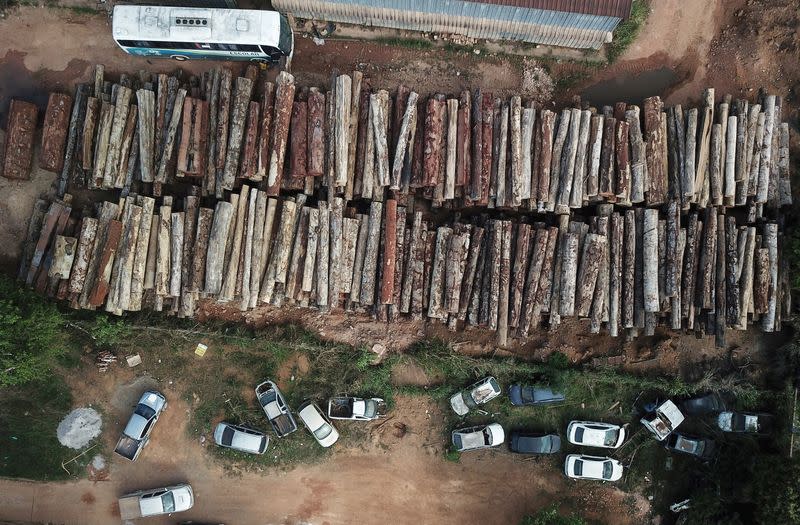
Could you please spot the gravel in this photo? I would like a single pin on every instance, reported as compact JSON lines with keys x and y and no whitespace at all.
{"x":79,"y":428}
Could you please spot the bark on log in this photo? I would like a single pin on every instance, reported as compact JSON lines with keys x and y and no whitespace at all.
{"x":705,"y":293}
{"x":577,"y":196}
{"x":54,"y":132}
{"x":500,"y":166}
{"x":389,"y":252}
{"x":471,"y":274}
{"x":638,"y":163}
{"x":706,"y":119}
{"x":121,"y":108}
{"x":765,"y":161}
{"x":163,"y":257}
{"x":515,"y":179}
{"x":544,"y":158}
{"x":378,"y":105}
{"x":434,"y":137}
{"x":86,"y":240}
{"x":593,"y":249}
{"x":205,"y":220}
{"x":596,"y":141}
{"x":63,"y":256}
{"x":622,"y":184}
{"x":242,"y":93}
{"x":521,"y":257}
{"x":352,"y":132}
{"x":298,"y":148}
{"x":505,"y":278}
{"x":729,"y":190}
{"x":730,"y":282}
{"x":350,"y":228}
{"x":569,"y":271}
{"x":128,"y":151}
{"x":249,"y":162}
{"x":437,"y":279}
{"x":689,"y":172}
{"x":105,"y":257}
{"x":140,"y":255}
{"x":616,"y":238}
{"x":487,"y":133}
{"x":169,"y":138}
{"x":335,"y":264}
{"x":176,"y":253}
{"x":89,"y":131}
{"x":715,"y":166}
{"x":455,"y":266}
{"x":771,"y":244}
{"x":408,"y":277}
{"x":761,"y":279}
{"x":316,"y":134}
{"x":343,"y":95}
{"x":323,"y":255}
{"x":223,"y":216}
{"x":628,"y":270}
{"x":284,"y":97}
{"x":296,"y":267}
{"x":529,"y":184}
{"x":310,"y":262}
{"x":538,"y":240}
{"x":650,"y":260}
{"x":656,"y":179}
{"x":608,"y":154}
{"x":100,"y":155}
{"x":463,"y":144}
{"x":477,"y":146}
{"x":450,"y":147}
{"x":146,"y":127}
{"x":403,"y":145}
{"x":671,"y":281}
{"x":371,"y":255}
{"x":555,"y":165}
{"x":358,"y":263}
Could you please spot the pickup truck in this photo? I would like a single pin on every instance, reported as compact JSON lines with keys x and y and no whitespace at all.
{"x":356,"y":408}
{"x":666,"y":418}
{"x":274,"y":405}
{"x":156,"y":502}
{"x":137,"y":432}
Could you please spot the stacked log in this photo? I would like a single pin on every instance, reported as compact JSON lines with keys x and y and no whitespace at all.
{"x":20,"y":133}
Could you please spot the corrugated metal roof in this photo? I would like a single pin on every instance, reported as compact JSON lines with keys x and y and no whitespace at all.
{"x":615,"y":8}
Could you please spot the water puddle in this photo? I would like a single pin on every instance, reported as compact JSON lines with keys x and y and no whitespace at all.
{"x":632,"y":88}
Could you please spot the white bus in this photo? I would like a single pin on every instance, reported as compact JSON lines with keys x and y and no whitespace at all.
{"x":185,"y":33}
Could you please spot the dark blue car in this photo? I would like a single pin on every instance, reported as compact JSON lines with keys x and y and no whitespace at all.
{"x":522,"y":395}
{"x":525,"y":443}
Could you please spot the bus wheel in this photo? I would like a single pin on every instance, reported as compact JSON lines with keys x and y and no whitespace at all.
{"x":180,"y":58}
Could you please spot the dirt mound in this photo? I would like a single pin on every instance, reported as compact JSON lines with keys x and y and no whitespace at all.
{"x":79,"y":428}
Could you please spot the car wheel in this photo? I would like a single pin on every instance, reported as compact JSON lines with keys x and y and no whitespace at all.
{"x":180,"y":58}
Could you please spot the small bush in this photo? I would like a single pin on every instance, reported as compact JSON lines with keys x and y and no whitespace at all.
{"x":107,"y":333}
{"x":452,"y":455}
{"x":626,"y":32}
{"x":551,"y":516}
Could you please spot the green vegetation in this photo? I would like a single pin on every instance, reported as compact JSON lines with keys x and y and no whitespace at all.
{"x":29,"y":416}
{"x":408,"y":43}
{"x":551,"y":516}
{"x":30,"y":338}
{"x":626,"y":32}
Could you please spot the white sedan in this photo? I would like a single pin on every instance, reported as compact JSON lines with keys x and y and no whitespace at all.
{"x":318,"y":424}
{"x":481,"y":392}
{"x":481,"y":436}
{"x":597,"y":468}
{"x":594,"y":434}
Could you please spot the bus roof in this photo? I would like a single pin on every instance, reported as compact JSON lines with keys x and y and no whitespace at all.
{"x":182,"y":24}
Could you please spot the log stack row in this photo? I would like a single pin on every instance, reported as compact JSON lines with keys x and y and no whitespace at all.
{"x":356,"y":141}
{"x":626,"y":272}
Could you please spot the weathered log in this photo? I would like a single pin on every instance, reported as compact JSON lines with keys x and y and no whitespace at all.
{"x":671,"y":281}
{"x":704,"y":125}
{"x":89,"y":132}
{"x":455,"y":266}
{"x":555,"y":289}
{"x":650,"y":260}
{"x":588,"y":272}
{"x":706,"y":271}
{"x":720,"y":298}
{"x":100,"y":154}
{"x":343,"y":95}
{"x":316,"y":134}
{"x":741,"y":155}
{"x":54,"y":132}
{"x":352,"y":132}
{"x":729,"y":190}
{"x":487,"y":138}
{"x":367,"y":292}
{"x":413,"y":248}
{"x":598,"y":313}
{"x":436,"y":306}
{"x":378,"y":104}
{"x":493,"y":271}
{"x":689,"y":173}
{"x":249,"y":150}
{"x":243,"y":91}
{"x":83,"y":255}
{"x":128,"y":151}
{"x":310,"y":261}
{"x":350,"y":228}
{"x":176,"y":253}
{"x":471,"y":274}
{"x":569,"y":271}
{"x":192,"y":149}
{"x":544,"y":159}
{"x":529,"y":180}
{"x":463,"y":143}
{"x":765,"y":164}
{"x":451,"y":147}
{"x":596,"y":142}
{"x":296,"y":267}
{"x":433,"y":140}
{"x":141,"y":251}
{"x":616,"y":239}
{"x":556,"y":162}
{"x":784,"y":181}
{"x":233,"y":249}
{"x":638,"y":163}
{"x":163,"y":257}
{"x":656,"y":176}
{"x":205,"y":220}
{"x":676,"y":307}
{"x":771,"y":244}
{"x":64,"y":249}
{"x":761,"y":280}
{"x":120,"y":117}
{"x":284,"y":97}
{"x":323,"y":255}
{"x":521,"y":257}
{"x":476,"y":173}
{"x":627,"y":298}
{"x":577,"y":196}
{"x":245,"y":275}
{"x":608,"y":154}
{"x":474,"y":307}
{"x":730,"y":282}
{"x":622,"y":184}
{"x":335,"y":264}
{"x":389,"y":253}
{"x":746,"y":288}
{"x":358,"y":262}
{"x":538,"y":241}
{"x":105,"y":262}
{"x":403,"y":144}
{"x":169,"y":138}
{"x":279,"y":262}
{"x":715,"y":166}
{"x":515,"y":170}
{"x":403,"y":239}
{"x":215,"y":259}
{"x":500,"y":169}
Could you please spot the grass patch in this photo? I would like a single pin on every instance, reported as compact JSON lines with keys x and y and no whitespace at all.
{"x":452,"y":455}
{"x":626,"y":32}
{"x":408,"y":43}
{"x":30,"y":414}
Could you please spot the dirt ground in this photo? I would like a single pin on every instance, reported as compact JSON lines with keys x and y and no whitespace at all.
{"x":737,"y":46}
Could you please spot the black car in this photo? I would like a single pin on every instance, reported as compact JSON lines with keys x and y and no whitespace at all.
{"x":524,"y":443}
{"x":712,"y":403}
{"x":521,"y":395}
{"x":694,"y":446}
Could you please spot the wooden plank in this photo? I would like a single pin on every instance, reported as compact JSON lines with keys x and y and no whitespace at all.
{"x":54,"y":132}
{"x":20,"y":132}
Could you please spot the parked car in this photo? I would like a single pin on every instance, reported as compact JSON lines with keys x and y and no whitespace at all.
{"x":481,"y":436}
{"x":481,"y":392}
{"x":579,"y":466}
{"x":318,"y":424}
{"x":526,"y":443}
{"x":595,"y":434}
{"x":240,"y":438}
{"x":663,"y":420}
{"x":356,"y":408}
{"x":137,"y":432}
{"x":155,"y":502}
{"x":694,"y":446}
{"x":744,"y":423}
{"x":274,"y":406}
{"x":711,"y":403}
{"x":522,"y":395}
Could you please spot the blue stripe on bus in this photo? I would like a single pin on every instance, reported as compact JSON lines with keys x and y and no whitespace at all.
{"x":194,"y":53}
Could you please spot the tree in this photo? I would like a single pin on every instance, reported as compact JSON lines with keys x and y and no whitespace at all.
{"x":551,"y":516}
{"x":29,"y":334}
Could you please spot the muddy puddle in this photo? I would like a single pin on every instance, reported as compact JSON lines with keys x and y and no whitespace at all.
{"x":631,"y":87}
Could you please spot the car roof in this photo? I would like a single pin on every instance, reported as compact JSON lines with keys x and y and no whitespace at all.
{"x":311,"y":415}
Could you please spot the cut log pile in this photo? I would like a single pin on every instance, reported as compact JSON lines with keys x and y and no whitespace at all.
{"x":637,"y":216}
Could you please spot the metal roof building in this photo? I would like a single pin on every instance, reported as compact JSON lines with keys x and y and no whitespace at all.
{"x":566,"y":23}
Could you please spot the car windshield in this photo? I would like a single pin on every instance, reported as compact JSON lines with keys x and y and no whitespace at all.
{"x":527,"y":394}
{"x":607,"y":468}
{"x":579,"y":434}
{"x":370,"y":408}
{"x":610,"y":438}
{"x":168,"y":502}
{"x":467,"y":397}
{"x":144,"y":411}
{"x":323,"y":431}
{"x":227,"y":436}
{"x":578,"y":467}
{"x":487,"y":436}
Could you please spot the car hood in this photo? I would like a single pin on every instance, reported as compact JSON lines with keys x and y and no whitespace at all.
{"x":515,"y":394}
{"x":135,"y":426}
{"x":458,"y":404}
{"x":184,"y":498}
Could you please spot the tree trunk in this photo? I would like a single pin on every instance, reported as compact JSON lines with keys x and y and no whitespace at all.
{"x":284,"y":98}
